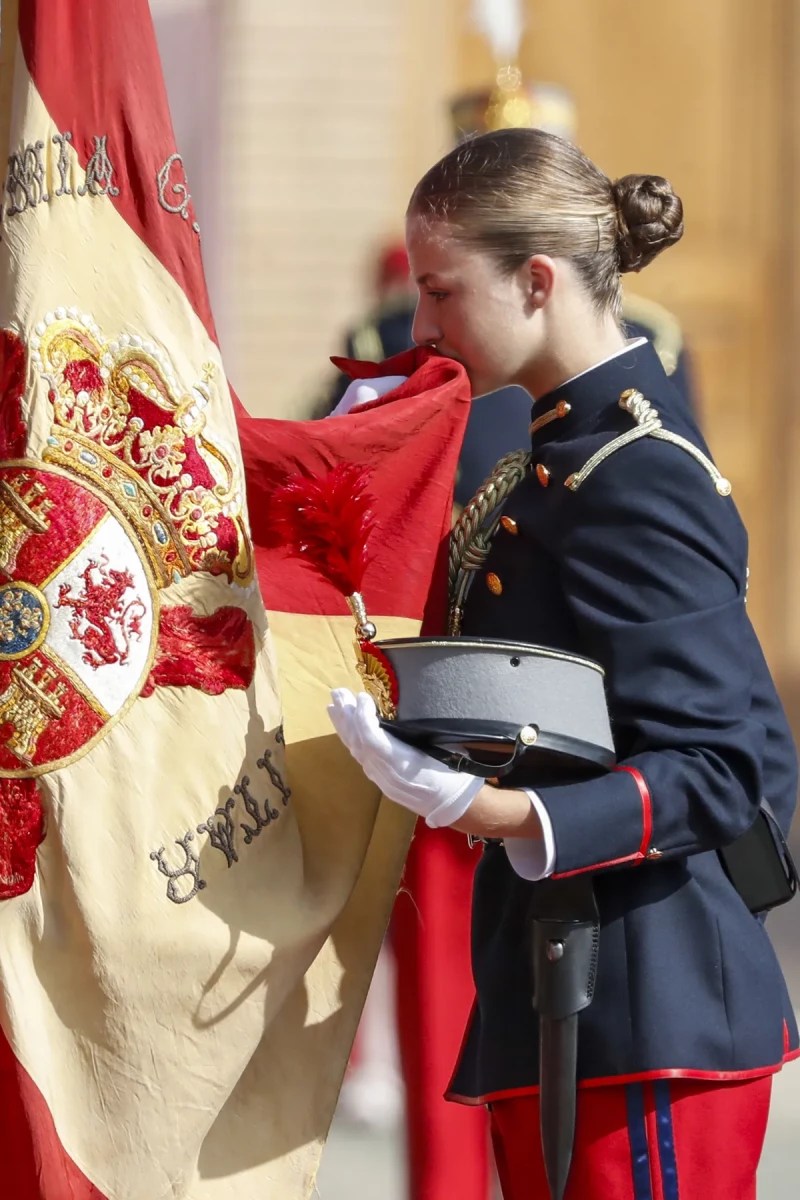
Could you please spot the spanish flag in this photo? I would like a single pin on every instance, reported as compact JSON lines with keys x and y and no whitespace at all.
{"x":194,"y":877}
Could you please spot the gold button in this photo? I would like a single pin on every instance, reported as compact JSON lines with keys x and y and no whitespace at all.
{"x":509,"y":524}
{"x":494,"y":584}
{"x":562,"y":408}
{"x":655,"y":853}
{"x":542,"y":474}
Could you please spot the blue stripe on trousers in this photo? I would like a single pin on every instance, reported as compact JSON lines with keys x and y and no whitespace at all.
{"x":637,"y":1134}
{"x":666,"y":1140}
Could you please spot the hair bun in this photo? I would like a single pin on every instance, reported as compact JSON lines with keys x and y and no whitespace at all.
{"x":650,"y":218}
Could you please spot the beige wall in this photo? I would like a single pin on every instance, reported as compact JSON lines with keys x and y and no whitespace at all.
{"x":330,"y":112}
{"x":786,"y":465}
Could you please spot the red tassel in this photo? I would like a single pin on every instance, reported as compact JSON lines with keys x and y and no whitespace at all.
{"x":326,"y":521}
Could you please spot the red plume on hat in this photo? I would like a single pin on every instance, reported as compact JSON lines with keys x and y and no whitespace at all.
{"x":326,"y":519}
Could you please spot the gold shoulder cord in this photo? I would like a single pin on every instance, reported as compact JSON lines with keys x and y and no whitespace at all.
{"x":471,"y":538}
{"x":648,"y":424}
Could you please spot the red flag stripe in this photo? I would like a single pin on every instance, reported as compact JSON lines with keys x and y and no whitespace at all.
{"x":33,"y":1163}
{"x":414,"y":440}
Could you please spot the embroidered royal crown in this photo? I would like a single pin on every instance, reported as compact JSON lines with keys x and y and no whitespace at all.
{"x":123,"y":422}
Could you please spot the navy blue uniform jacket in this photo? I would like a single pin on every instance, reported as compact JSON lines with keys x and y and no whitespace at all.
{"x":643,"y":569}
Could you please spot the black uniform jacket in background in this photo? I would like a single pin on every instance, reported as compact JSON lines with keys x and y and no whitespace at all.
{"x":643,"y":568}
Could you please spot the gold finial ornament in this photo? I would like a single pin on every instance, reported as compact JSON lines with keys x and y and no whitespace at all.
{"x":512,"y":101}
{"x":377,"y":673}
{"x":364,"y":628}
{"x":510,"y":104}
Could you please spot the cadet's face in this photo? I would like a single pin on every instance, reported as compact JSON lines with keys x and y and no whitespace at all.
{"x":467,"y":308}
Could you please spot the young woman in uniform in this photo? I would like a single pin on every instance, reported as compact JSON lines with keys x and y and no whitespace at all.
{"x":636,"y":558}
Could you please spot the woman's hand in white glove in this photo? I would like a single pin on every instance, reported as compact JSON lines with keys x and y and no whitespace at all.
{"x":404,"y":774}
{"x":363,"y":391}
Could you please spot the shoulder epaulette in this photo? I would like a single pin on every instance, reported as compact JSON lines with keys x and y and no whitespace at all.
{"x":367,"y":343}
{"x":663,"y":326}
{"x":648,"y":424}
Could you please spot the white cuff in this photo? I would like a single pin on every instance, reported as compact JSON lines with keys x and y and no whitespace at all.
{"x":534,"y":858}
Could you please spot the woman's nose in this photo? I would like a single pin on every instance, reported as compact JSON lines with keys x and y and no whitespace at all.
{"x":425,"y":331}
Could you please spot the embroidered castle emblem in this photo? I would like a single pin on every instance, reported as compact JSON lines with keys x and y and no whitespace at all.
{"x":78,"y":617}
{"x":29,"y":703}
{"x":23,"y":511}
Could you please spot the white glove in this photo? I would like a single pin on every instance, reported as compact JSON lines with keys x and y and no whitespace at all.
{"x":361,"y":391}
{"x":403,"y":773}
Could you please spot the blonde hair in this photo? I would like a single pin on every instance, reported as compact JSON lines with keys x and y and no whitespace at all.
{"x":519,"y":192}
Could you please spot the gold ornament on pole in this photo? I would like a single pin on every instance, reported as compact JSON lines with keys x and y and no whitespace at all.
{"x":512,"y":102}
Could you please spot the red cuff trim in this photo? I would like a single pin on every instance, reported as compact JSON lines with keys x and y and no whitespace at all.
{"x":647,"y":807}
{"x":640,"y":1077}
{"x":614,"y":862}
{"x":647,"y":831}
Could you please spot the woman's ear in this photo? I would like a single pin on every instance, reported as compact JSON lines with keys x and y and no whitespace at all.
{"x":539,"y":277}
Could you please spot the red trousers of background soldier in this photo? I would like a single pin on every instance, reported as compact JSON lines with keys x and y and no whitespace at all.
{"x":448,"y":1144}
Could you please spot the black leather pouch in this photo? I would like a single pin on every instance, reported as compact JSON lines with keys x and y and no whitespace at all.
{"x":759,"y":864}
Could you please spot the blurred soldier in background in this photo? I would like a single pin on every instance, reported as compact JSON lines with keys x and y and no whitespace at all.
{"x":386,"y":328}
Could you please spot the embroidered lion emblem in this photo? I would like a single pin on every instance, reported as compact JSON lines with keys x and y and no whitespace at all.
{"x":102,"y":621}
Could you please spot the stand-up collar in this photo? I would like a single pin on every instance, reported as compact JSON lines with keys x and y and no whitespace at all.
{"x":580,"y":401}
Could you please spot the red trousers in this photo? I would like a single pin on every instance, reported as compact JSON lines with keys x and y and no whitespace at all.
{"x":668,"y":1140}
{"x":448,"y":1144}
